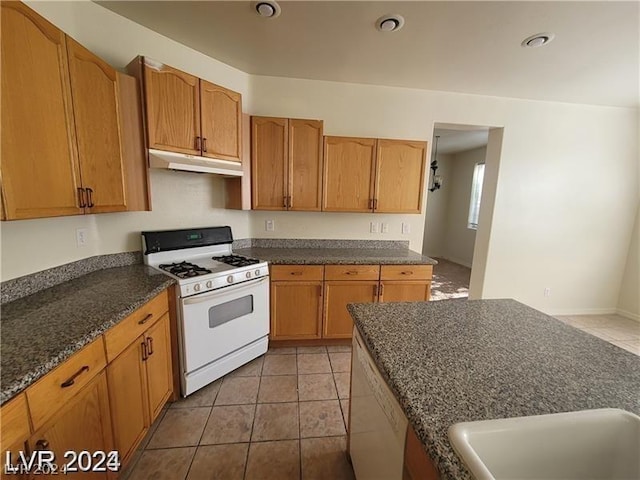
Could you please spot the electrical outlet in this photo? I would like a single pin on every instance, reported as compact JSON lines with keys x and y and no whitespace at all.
{"x":374,"y":227}
{"x":547,"y":291}
{"x":406,"y":228}
{"x":81,"y":237}
{"x":269,"y":225}
{"x":385,"y":227}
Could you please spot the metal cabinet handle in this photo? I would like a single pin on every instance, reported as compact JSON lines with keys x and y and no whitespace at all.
{"x":204,"y":144}
{"x":145,"y":354}
{"x":375,"y":290}
{"x":284,"y":201}
{"x":375,"y":203}
{"x":289,"y":202}
{"x":197,"y":143}
{"x":42,"y":444}
{"x":150,"y":345}
{"x":72,"y":379}
{"x":90,"y":198}
{"x":82,"y":201}
{"x":370,"y":204}
{"x":381,"y":289}
{"x":145,"y":319}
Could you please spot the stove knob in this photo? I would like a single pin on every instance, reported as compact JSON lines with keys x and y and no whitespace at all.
{"x":209,"y":284}
{"x":248,"y":275}
{"x":196,"y":287}
{"x":230,"y":279}
{"x":257,"y":272}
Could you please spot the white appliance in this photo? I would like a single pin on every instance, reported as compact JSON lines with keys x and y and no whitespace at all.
{"x":222,"y":301}
{"x":378,"y":424}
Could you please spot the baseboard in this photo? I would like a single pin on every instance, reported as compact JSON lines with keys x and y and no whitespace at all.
{"x":629,"y":315}
{"x":583,"y":311}
{"x":457,"y":260}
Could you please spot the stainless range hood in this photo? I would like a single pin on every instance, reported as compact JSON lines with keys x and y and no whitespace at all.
{"x":192,"y":163}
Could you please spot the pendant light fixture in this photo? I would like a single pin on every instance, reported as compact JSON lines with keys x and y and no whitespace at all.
{"x":436,"y":180}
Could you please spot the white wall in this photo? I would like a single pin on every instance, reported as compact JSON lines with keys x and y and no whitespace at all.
{"x":435,"y":225}
{"x":459,"y":240}
{"x":629,"y":300}
{"x":556,"y":222}
{"x":559,"y":220}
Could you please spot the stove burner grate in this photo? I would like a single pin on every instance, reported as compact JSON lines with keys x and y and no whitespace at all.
{"x":184,"y":269}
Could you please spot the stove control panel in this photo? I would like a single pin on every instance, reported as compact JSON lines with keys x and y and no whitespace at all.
{"x":198,"y":286}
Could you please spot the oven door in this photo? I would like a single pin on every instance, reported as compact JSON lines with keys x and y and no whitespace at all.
{"x":217,"y":323}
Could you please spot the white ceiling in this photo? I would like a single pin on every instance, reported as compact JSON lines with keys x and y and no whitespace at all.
{"x":456,"y":141}
{"x":459,"y":46}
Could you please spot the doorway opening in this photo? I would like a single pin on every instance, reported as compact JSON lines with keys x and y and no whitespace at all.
{"x":460,"y":194}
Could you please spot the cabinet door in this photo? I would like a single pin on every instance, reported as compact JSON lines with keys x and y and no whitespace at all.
{"x":95,"y":92}
{"x":221,"y":113}
{"x":269,"y":159}
{"x":398,"y":291}
{"x":159,"y":373}
{"x":337,"y":322}
{"x":127,"y":396}
{"x":296,"y":310}
{"x":83,"y":424}
{"x":305,"y":165}
{"x":348,"y":174}
{"x":40,"y":173}
{"x":173,"y":108}
{"x":400,"y":170}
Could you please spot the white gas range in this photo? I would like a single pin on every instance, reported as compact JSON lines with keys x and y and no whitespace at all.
{"x":222,"y":299}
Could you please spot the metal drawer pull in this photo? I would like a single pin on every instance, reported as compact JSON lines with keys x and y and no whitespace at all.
{"x":197,"y":143}
{"x":90,"y":198}
{"x":145,"y":319}
{"x":150,"y":345}
{"x":72,"y":379}
{"x":284,"y":202}
{"x":296,"y":273}
{"x":81,"y":197}
{"x":145,"y":355}
{"x":42,"y":444}
{"x":381,"y":289}
{"x":352,"y":272}
{"x":408,"y":272}
{"x":204,"y":144}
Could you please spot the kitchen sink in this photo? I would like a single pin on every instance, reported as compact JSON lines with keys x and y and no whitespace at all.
{"x":588,"y":444}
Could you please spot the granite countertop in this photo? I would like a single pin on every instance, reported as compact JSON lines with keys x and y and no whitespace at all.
{"x":336,"y":256}
{"x":458,"y":360}
{"x":40,"y":331}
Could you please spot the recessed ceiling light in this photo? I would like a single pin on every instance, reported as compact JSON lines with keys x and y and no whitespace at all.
{"x":266,"y":8}
{"x":390,"y":23}
{"x":537,"y":40}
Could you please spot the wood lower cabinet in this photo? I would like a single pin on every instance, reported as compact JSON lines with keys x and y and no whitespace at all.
{"x":417,"y":464}
{"x":83,"y":423}
{"x":296,"y":310}
{"x":140,"y":372}
{"x":40,"y":170}
{"x":399,"y":291}
{"x":337,"y":322}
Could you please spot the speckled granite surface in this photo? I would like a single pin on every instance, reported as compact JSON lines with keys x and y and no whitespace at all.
{"x":42,"y":330}
{"x":322,"y":243}
{"x":327,"y":256}
{"x":15,"y":288}
{"x":457,"y":360}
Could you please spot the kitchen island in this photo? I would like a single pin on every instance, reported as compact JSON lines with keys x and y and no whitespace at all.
{"x":457,"y":360}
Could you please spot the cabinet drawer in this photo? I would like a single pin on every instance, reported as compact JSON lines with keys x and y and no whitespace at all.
{"x":406,"y":272}
{"x":57,"y":387}
{"x":15,"y":421}
{"x":122,"y":335}
{"x":296,"y":272}
{"x":352,"y":272}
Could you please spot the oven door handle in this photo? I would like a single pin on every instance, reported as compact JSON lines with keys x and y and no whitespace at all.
{"x":194,"y":299}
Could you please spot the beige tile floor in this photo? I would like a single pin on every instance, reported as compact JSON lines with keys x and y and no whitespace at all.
{"x":282,"y":416}
{"x":620,"y":331}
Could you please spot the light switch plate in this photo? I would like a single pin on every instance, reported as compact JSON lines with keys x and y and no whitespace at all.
{"x":374,"y":227}
{"x":385,"y":227}
{"x":269,"y":225}
{"x":81,"y":237}
{"x":406,"y":228}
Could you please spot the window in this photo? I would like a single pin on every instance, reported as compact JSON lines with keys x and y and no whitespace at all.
{"x":476,"y":193}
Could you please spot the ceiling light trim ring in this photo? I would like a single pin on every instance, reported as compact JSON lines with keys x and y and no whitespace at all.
{"x":266,"y":8}
{"x":538,"y":40}
{"x":390,"y":23}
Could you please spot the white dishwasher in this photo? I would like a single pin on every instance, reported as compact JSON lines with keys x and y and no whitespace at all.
{"x":378,"y":425}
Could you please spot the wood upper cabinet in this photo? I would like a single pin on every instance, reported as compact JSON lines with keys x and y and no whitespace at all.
{"x":269,"y":162}
{"x":286,"y":161}
{"x":221,"y":113}
{"x":349,"y":172}
{"x":173,"y":108}
{"x":83,"y":423}
{"x":94,"y":89}
{"x":373,"y":175}
{"x":40,"y":171}
{"x":305,"y":165}
{"x":337,"y":322}
{"x":400,"y":170}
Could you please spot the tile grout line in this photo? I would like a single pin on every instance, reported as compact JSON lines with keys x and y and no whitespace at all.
{"x":255,"y":414}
